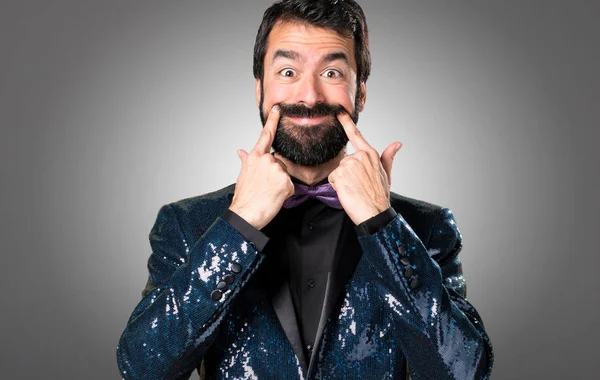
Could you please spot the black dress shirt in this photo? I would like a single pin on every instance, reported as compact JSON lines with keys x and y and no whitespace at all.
{"x":307,"y":239}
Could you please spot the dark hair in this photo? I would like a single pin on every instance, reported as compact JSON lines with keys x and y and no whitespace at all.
{"x":346,"y":17}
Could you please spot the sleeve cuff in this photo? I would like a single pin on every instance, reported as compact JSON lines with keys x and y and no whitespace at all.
{"x":376,"y":223}
{"x":248,"y":231}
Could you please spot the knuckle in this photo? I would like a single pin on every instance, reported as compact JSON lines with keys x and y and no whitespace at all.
{"x":354,"y":162}
{"x":364,"y":153}
{"x":361,"y":154}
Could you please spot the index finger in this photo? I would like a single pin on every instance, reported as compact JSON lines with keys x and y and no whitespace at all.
{"x":263,"y":145}
{"x":354,"y":135}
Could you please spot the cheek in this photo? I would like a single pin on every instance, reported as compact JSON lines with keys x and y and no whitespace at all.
{"x":277,"y":94}
{"x":343,"y":95}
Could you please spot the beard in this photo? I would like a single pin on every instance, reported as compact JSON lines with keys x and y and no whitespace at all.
{"x":314,"y":144}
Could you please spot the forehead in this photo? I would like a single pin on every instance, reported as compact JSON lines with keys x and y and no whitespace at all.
{"x":311,"y":42}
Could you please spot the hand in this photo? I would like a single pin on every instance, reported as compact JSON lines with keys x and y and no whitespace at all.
{"x":264,"y":183}
{"x":362,"y":180}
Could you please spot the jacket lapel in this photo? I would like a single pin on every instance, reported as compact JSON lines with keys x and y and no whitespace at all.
{"x":347,"y":255}
{"x":278,"y":287}
{"x":284,"y":308}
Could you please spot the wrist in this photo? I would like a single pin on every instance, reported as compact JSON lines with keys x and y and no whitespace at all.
{"x":248,"y":216}
{"x":368,"y":213}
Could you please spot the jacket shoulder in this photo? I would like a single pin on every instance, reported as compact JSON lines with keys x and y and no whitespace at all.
{"x":197,"y":213}
{"x":420,"y":215}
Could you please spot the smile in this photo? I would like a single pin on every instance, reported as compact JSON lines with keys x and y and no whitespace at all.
{"x":308,"y":120}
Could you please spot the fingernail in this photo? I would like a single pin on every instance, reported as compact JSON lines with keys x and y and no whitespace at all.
{"x":275,"y":108}
{"x":398,"y":146}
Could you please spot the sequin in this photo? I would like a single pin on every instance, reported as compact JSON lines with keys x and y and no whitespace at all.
{"x":378,"y":325}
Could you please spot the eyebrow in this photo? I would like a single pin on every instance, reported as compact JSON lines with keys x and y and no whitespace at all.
{"x":289,"y":54}
{"x":295,"y":56}
{"x":335,"y":56}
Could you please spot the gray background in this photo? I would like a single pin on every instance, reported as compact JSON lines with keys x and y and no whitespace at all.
{"x":111,"y":109}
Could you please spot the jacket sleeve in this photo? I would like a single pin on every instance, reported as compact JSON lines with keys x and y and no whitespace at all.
{"x":443,"y":336}
{"x":189,"y":291}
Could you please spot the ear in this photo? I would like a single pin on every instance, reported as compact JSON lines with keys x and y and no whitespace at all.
{"x":258,"y":88}
{"x":363,"y":96}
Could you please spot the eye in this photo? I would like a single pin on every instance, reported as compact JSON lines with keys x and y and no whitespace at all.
{"x":288,"y":73}
{"x":332,"y":73}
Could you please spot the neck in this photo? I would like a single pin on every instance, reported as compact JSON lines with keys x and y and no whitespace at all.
{"x":312,"y":175}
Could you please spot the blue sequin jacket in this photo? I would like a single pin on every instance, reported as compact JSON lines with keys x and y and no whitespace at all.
{"x":396,"y":307}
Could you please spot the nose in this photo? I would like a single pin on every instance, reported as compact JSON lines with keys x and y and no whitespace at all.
{"x":309,"y":91}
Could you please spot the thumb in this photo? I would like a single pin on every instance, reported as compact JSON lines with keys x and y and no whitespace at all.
{"x":387,"y":158}
{"x":243,"y":155}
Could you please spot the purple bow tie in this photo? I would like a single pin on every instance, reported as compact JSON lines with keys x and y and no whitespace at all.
{"x":324,"y":193}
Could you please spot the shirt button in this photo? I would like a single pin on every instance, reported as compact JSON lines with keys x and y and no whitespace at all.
{"x":309,"y":347}
{"x":311,"y":283}
{"x":310,"y":226}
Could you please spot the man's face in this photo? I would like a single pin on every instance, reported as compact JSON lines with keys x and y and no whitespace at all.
{"x":310,"y":72}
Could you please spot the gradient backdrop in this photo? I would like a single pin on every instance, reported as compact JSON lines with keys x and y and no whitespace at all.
{"x":113,"y":108}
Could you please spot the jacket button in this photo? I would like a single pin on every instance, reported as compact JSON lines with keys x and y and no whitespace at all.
{"x":311,"y":283}
{"x":404,"y":260}
{"x":401,"y":251}
{"x":236,"y":268}
{"x":216,"y":295}
{"x":415,"y":283}
{"x":253,"y":245}
{"x":222,"y":285}
{"x":409,"y":272}
{"x":229,"y":279}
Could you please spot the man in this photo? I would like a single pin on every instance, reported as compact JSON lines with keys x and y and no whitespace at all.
{"x":307,"y":267}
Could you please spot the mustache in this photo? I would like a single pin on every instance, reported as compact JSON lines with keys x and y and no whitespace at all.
{"x":318,"y":110}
